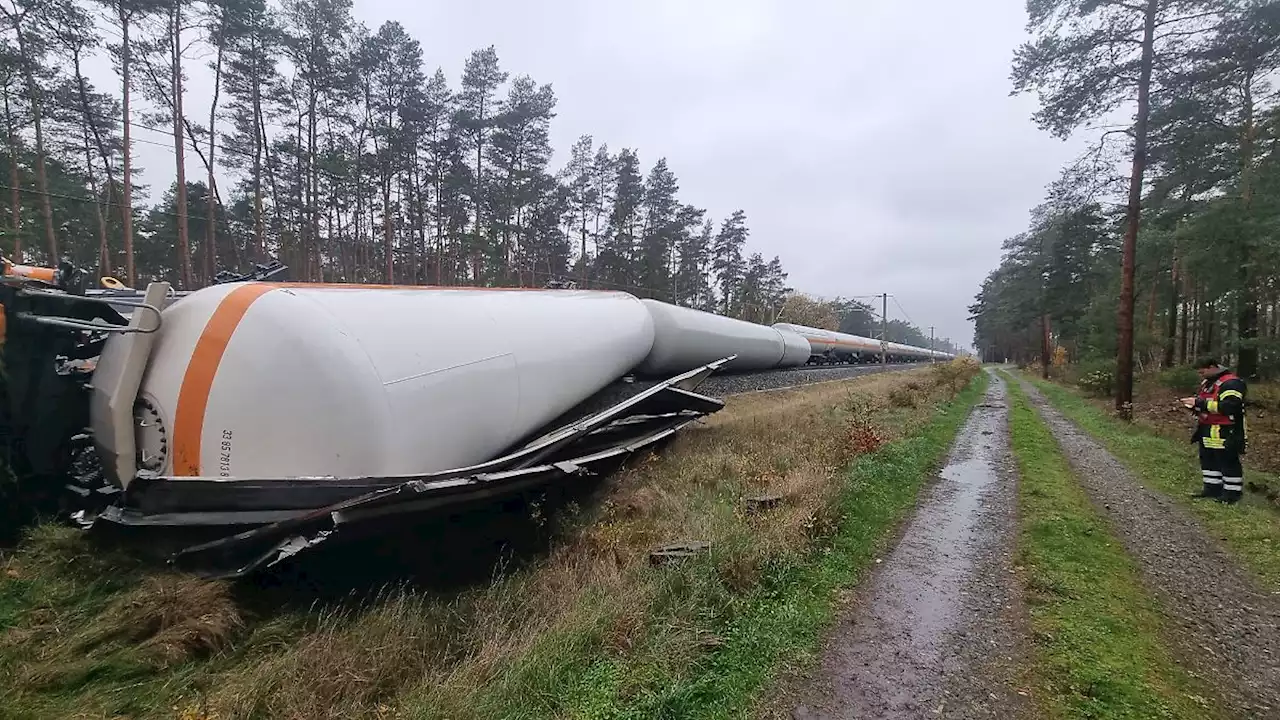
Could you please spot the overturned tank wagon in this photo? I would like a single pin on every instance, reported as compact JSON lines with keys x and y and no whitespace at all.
{"x":272,"y":416}
{"x":264,"y":417}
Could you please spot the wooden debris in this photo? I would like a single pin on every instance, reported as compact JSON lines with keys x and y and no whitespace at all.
{"x":760,"y":503}
{"x":677,"y":551}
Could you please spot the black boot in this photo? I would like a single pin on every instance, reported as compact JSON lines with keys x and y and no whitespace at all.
{"x":1231,"y":495}
{"x":1210,"y":490}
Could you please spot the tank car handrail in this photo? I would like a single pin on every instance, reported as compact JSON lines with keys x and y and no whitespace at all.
{"x":77,"y":324}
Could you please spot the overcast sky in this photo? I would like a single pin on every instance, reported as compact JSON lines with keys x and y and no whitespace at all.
{"x":872,"y":144}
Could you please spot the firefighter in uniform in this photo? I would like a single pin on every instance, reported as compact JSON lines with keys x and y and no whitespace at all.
{"x":1221,"y":430}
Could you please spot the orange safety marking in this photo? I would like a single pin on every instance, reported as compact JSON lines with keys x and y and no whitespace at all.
{"x":42,"y":274}
{"x":849,"y":343}
{"x":193,"y":396}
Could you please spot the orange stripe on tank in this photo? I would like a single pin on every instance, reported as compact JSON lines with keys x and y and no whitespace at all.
{"x":34,"y":272}
{"x":193,"y":397}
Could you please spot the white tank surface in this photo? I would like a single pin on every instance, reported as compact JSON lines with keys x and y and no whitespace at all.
{"x":820,"y":341}
{"x":684,"y":338}
{"x":796,"y":349}
{"x":273,"y":380}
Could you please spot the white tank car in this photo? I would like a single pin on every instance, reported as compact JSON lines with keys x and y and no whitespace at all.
{"x":285,"y":380}
{"x":684,"y":338}
{"x":797,"y":351}
{"x":831,"y":343}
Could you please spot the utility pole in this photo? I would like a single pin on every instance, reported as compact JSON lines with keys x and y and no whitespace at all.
{"x":884,"y":328}
{"x":931,"y":357}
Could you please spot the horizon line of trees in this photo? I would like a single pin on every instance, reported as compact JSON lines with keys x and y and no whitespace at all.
{"x":1179,"y":256}
{"x":349,"y":162}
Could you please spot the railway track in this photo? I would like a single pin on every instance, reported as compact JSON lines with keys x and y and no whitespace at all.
{"x":728,"y":385}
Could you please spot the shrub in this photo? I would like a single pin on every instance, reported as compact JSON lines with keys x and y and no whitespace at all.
{"x":1182,"y":378}
{"x":903,"y":396}
{"x":1097,"y":377}
{"x":1098,"y":383}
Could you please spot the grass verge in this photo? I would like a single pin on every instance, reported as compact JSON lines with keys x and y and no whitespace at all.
{"x":1096,"y":632}
{"x":779,"y":623}
{"x":1171,"y":466}
{"x":586,"y":628}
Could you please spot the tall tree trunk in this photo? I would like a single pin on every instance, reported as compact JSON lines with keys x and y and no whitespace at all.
{"x":184,"y":241}
{"x":268,"y":169}
{"x":1183,"y":338}
{"x":42,"y":177}
{"x":313,"y":181}
{"x":387,"y":230}
{"x":1124,"y":359}
{"x":1151,"y":307}
{"x":438,"y":181}
{"x":1045,"y":359}
{"x":126,"y":178}
{"x":420,"y":213}
{"x":15,"y":183}
{"x":104,"y":255}
{"x":91,"y":125}
{"x":1247,"y":319}
{"x":1171,"y":326}
{"x":211,"y":221}
{"x":259,"y":230}
{"x":1206,"y":336}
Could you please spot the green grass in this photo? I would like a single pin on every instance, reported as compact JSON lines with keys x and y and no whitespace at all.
{"x":750,"y":637}
{"x":1096,"y":633}
{"x":1250,"y":529}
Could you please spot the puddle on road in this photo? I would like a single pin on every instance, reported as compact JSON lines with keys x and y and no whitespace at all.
{"x":888,"y":662}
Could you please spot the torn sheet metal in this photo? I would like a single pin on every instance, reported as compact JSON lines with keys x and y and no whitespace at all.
{"x":286,"y":517}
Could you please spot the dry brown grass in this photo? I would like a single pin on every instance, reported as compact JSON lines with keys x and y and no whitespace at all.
{"x":172,"y":618}
{"x":594,"y":594}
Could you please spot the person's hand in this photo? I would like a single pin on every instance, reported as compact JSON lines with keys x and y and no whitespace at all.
{"x":1188,"y":402}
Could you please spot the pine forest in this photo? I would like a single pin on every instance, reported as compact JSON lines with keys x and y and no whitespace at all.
{"x":1162,"y":242}
{"x":336,"y":150}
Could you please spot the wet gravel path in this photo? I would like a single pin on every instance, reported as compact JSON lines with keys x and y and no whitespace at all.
{"x":1227,"y":629}
{"x":938,"y":630}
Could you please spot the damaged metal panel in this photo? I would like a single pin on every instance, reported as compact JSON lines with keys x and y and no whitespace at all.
{"x":296,"y":514}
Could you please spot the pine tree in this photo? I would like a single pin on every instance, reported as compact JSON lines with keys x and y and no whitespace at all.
{"x":727,"y":261}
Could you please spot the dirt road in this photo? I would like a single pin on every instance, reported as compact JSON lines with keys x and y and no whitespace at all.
{"x":936,"y":630}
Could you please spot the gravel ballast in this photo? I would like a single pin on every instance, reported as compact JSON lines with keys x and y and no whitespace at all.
{"x":1226,"y":629}
{"x":937,"y":630}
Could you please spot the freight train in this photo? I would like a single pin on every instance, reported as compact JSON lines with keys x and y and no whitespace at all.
{"x":830,"y":347}
{"x":275,"y":413}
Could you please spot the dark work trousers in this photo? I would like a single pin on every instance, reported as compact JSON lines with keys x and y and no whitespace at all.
{"x":1222,"y":473}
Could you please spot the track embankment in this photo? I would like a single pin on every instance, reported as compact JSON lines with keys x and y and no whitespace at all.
{"x":937,"y":630}
{"x":782,"y":501}
{"x":1225,"y":627}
